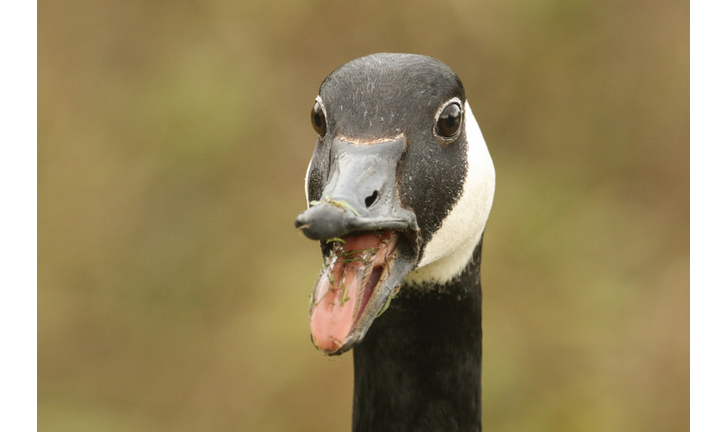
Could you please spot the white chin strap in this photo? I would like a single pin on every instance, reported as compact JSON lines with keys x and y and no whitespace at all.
{"x":448,"y":252}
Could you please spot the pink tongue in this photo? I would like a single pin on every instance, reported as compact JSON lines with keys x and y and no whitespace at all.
{"x":334,"y":315}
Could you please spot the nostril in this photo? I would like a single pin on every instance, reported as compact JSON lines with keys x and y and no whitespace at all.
{"x":371,"y":199}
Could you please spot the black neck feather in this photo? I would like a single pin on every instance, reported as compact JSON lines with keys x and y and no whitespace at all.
{"x":419,"y":366}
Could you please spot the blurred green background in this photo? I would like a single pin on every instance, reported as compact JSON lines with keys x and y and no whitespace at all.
{"x":173,"y":140}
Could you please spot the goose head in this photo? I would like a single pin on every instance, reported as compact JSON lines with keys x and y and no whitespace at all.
{"x":399,"y":189}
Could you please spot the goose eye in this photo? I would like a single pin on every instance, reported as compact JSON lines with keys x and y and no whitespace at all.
{"x":317,"y":116}
{"x":449,"y":121}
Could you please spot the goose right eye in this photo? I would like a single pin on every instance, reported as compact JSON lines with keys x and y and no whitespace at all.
{"x":317,"y":116}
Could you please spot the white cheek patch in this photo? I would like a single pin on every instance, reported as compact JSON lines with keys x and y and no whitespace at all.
{"x":448,"y":252}
{"x":307,"y":185}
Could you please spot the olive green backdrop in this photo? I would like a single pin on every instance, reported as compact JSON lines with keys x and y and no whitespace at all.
{"x":173,"y":139}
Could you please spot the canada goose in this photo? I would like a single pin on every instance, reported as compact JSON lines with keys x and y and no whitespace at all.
{"x":399,"y":189}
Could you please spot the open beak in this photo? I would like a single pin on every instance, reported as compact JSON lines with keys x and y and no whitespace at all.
{"x":369,"y":242}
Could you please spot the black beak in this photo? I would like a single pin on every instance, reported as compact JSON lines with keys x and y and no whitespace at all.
{"x":360,"y":194}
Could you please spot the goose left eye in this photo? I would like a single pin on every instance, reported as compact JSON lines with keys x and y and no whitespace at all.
{"x":449,"y":121}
